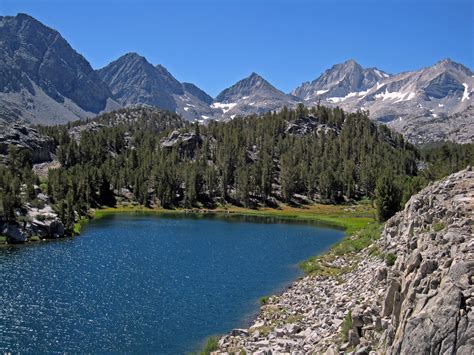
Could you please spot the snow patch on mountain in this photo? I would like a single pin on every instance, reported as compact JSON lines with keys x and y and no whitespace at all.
{"x":465,"y":94}
{"x":224,"y":107}
{"x":395,"y":95}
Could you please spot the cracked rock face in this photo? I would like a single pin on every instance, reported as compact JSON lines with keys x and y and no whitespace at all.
{"x":420,"y":305}
{"x":26,"y":137}
{"x":434,"y":244}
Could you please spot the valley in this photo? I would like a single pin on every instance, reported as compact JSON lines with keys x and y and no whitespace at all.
{"x":140,"y":214}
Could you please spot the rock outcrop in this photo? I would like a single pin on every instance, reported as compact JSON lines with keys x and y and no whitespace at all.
{"x":306,"y":125}
{"x":431,"y":308}
{"x":419,"y":304}
{"x":26,"y":137}
{"x":39,"y":222}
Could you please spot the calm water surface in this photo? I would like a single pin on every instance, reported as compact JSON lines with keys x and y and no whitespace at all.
{"x":141,"y":283}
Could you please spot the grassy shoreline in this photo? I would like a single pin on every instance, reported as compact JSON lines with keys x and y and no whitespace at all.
{"x":351,"y":218}
{"x":357,"y":221}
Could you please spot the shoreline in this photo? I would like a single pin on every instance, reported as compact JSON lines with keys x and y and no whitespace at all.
{"x":350,"y":218}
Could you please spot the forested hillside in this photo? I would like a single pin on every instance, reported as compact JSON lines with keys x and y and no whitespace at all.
{"x":153,"y":158}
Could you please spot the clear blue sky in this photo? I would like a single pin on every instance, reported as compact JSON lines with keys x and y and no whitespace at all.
{"x":214,"y":43}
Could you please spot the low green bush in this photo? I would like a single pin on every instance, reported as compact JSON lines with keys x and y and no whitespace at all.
{"x":346,"y":326}
{"x":438,"y":227}
{"x":210,"y":346}
{"x":390,"y":259}
{"x":37,"y":203}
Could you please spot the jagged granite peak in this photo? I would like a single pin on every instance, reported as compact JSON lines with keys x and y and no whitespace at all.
{"x":42,"y":78}
{"x":440,"y":90}
{"x":251,"y":85}
{"x":340,"y":80}
{"x":135,"y":81}
{"x":252,"y":95}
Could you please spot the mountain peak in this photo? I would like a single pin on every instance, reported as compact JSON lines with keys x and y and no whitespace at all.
{"x":251,"y":85}
{"x":25,"y":45}
{"x":134,"y":80}
{"x":255,"y":75}
{"x":340,"y":80}
{"x":132,"y":55}
{"x":448,"y":64}
{"x":252,"y":94}
{"x":446,"y":61}
{"x":350,"y":62}
{"x":23,"y":16}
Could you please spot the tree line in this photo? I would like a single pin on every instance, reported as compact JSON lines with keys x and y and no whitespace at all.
{"x":337,"y":157}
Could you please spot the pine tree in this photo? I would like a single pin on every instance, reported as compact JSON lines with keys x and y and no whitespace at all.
{"x":387,"y":197}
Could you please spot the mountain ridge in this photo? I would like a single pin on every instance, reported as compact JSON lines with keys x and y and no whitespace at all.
{"x":42,"y":75}
{"x":133,"y":80}
{"x":44,"y":80}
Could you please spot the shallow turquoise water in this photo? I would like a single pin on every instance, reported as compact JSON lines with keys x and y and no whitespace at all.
{"x":147,"y":284}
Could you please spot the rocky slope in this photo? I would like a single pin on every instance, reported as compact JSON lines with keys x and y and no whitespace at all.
{"x":150,"y":118}
{"x":44,"y":80}
{"x":420,"y":304}
{"x":458,"y":127}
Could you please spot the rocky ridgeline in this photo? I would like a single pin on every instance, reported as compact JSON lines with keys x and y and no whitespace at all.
{"x":420,"y":304}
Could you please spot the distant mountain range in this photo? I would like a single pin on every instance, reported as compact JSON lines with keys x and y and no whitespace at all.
{"x":44,"y":80}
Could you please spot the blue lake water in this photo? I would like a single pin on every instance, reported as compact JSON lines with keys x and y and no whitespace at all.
{"x":147,"y":284}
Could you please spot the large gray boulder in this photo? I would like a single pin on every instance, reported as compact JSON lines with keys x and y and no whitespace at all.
{"x":14,"y":232}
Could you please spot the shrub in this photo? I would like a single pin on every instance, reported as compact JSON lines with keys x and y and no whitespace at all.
{"x":264,"y":299}
{"x":438,"y":227}
{"x":387,"y":197}
{"x":37,"y":203}
{"x":210,"y":346}
{"x":346,"y":326}
{"x":390,"y":259}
